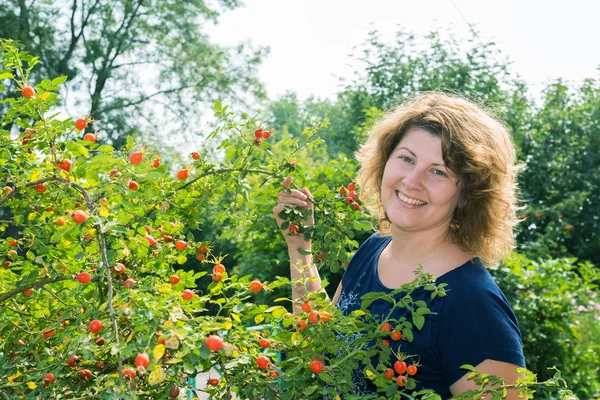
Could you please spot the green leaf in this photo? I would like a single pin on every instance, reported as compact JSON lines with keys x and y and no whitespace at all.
{"x":304,"y":251}
{"x":238,"y":308}
{"x":423,"y":311}
{"x":419,"y":321}
{"x":181,"y":260}
{"x":59,"y":80}
{"x":407,"y":334}
{"x":105,"y":148}
{"x":205,"y":352}
{"x":420,"y":303}
{"x":277,"y":300}
{"x":393,"y":388}
{"x":153,"y":176}
{"x":358,"y":313}
{"x":46,"y":84}
{"x":5,"y":75}
{"x":188,"y":367}
{"x":77,"y":148}
{"x":362,"y":225}
{"x":277,"y":311}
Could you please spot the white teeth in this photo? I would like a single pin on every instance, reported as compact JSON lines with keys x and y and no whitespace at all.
{"x":409,"y":201}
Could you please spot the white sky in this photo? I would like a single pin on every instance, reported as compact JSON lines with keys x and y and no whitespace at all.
{"x":310,"y":40}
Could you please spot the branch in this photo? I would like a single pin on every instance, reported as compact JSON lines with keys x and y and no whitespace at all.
{"x":77,"y":186}
{"x":132,"y":63}
{"x":24,"y":314}
{"x":143,"y":99}
{"x":226,"y":375}
{"x":75,"y":37}
{"x":211,"y":172}
{"x":102,"y":241}
{"x":132,"y":17}
{"x":33,"y":285}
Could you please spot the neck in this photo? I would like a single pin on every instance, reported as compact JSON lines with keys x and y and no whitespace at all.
{"x":418,"y":247}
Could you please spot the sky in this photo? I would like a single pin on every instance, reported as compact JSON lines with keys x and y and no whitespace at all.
{"x":310,"y":40}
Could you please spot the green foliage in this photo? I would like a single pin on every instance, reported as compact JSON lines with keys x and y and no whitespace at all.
{"x":546,"y":297}
{"x":560,"y":181}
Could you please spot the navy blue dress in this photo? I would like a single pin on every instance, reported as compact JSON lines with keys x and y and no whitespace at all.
{"x":473,"y":322}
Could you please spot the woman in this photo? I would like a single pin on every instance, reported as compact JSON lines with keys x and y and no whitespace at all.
{"x":439,"y":173}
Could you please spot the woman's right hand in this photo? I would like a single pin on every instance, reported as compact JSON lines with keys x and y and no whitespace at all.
{"x":295,"y":198}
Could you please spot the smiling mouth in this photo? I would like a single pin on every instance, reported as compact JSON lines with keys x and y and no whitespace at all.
{"x":409,"y":200}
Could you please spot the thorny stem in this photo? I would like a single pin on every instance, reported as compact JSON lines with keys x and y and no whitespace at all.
{"x":227,"y":380}
{"x":102,"y":241}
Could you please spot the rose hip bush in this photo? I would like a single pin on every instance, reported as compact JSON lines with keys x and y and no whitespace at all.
{"x":94,"y":302}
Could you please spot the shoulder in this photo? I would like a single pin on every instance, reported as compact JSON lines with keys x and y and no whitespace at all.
{"x":476,"y":322}
{"x":475,"y":302}
{"x":471,"y":283}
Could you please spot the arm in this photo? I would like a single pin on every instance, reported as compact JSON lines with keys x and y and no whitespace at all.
{"x":506,"y":371}
{"x":337,"y":294}
{"x":300,"y":265}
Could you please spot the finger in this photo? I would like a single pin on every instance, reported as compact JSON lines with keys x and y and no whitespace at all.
{"x":293,"y":193}
{"x":297,"y":198}
{"x":292,"y":201}
{"x":308,"y":195}
{"x":287,"y":182}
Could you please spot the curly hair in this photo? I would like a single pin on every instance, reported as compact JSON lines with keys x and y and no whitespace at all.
{"x":476,"y":146}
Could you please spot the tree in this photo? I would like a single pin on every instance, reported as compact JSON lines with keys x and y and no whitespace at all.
{"x":560,"y":180}
{"x":103,"y":45}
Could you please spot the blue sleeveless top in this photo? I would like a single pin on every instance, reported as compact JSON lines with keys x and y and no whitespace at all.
{"x":473,"y":322}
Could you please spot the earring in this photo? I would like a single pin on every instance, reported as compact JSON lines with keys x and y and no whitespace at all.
{"x":454,"y":225}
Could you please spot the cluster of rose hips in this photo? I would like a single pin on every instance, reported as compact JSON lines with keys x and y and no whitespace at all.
{"x":201,"y":255}
{"x":218,"y":271}
{"x":142,"y":361}
{"x":403,"y":371}
{"x":64,"y":164}
{"x":259,"y":135}
{"x":400,"y":366}
{"x":350,"y":196}
{"x":137,"y":157}
{"x":81,"y":124}
{"x":394,"y":334}
{"x":95,"y":326}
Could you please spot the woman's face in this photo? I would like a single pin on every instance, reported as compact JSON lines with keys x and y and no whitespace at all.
{"x":417,"y":190}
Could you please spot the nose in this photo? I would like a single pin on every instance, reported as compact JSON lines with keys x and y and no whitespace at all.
{"x":413,"y":180}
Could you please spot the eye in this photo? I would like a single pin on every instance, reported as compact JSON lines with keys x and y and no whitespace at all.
{"x":439,"y":173}
{"x":407,"y":159}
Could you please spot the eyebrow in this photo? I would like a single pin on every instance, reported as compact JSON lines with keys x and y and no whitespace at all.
{"x":415,"y":156}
